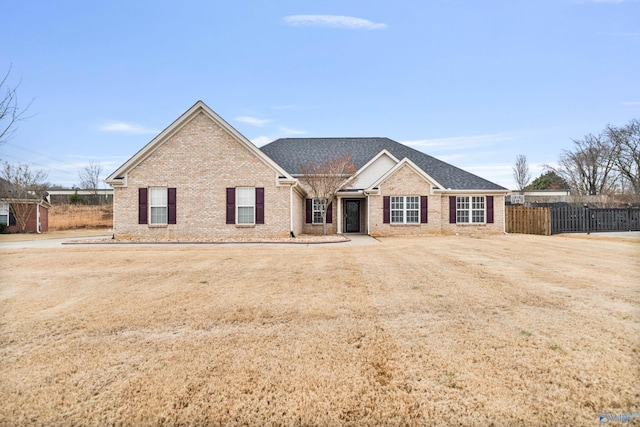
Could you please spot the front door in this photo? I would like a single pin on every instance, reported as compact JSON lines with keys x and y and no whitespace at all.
{"x":352,"y":216}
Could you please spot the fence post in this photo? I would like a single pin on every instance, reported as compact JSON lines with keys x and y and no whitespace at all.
{"x":587,"y":216}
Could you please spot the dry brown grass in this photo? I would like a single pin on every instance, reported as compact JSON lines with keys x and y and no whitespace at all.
{"x":443,"y":330}
{"x":67,"y":217}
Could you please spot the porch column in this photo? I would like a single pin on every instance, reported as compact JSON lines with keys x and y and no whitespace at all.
{"x":339,"y":215}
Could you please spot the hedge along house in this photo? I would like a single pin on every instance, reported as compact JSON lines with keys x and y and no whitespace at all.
{"x":200,"y":179}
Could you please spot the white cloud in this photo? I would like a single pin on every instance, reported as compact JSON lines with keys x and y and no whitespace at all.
{"x":253,"y":121}
{"x":460,"y":142}
{"x":290,"y":131}
{"x":261,"y":140}
{"x":127,"y":127}
{"x":333,"y":21}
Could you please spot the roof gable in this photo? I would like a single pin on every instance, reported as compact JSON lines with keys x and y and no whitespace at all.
{"x":118,"y":178}
{"x":373,"y":170}
{"x":292,"y":153}
{"x":405,"y":163}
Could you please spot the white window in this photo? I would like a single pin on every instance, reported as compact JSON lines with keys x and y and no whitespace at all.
{"x":318,"y":209}
{"x":470,"y":209}
{"x":405,"y":209}
{"x":158,"y":205}
{"x":4,"y":213}
{"x":246,"y":205}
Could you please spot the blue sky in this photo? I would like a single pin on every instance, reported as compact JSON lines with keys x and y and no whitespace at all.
{"x":474,"y":83}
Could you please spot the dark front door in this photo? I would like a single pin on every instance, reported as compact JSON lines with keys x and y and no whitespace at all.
{"x":352,"y":216}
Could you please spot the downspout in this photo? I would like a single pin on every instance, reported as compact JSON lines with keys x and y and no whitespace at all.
{"x":504,"y":215}
{"x":368,"y":215}
{"x":339,"y":229}
{"x":38,"y":225}
{"x":291,"y":211}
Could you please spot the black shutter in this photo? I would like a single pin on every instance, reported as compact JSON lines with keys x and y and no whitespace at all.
{"x":489,"y":209}
{"x":424,"y":206}
{"x":309,"y":211}
{"x":386,"y":209}
{"x":231,"y":205}
{"x":330,"y":213}
{"x":452,"y":209}
{"x":259,"y":205}
{"x":12,"y":218}
{"x":171,"y":202}
{"x":143,"y":206}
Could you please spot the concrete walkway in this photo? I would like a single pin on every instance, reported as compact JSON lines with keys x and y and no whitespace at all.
{"x":360,"y":240}
{"x":46,"y":243}
{"x":39,"y":243}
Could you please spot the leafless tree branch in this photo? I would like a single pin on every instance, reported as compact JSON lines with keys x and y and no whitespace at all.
{"x":626,"y":148}
{"x":90,"y":178}
{"x":10,"y":111}
{"x":324,"y":179}
{"x":521,"y":172}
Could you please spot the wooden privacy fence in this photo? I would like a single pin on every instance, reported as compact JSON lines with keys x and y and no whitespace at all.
{"x":527,"y":220}
{"x":581,"y":219}
{"x":570,"y":219}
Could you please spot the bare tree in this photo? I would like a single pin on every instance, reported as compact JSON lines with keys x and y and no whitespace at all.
{"x":626,"y":148}
{"x":10,"y":111}
{"x":22,"y":188}
{"x":90,"y":178}
{"x":590,"y":167}
{"x":324,"y":179}
{"x":521,"y":172}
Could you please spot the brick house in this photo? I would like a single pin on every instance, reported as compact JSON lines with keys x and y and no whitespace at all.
{"x":14,"y":209}
{"x":200,"y":179}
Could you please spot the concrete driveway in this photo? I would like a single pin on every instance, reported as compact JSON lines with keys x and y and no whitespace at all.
{"x":40,"y":241}
{"x":46,"y":243}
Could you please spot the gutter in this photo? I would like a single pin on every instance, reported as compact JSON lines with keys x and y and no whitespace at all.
{"x":38,"y":225}
{"x":291,"y":211}
{"x":464,"y":192}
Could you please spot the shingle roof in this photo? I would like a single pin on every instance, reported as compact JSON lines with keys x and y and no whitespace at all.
{"x":292,"y":153}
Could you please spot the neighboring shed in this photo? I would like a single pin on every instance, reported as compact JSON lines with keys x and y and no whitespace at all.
{"x":26,"y":213}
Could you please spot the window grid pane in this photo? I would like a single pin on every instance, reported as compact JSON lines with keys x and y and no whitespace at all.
{"x":462,"y":209}
{"x":4,"y":213}
{"x":318,"y":208}
{"x":397,"y":210}
{"x":478,"y":202}
{"x":245,"y":205}
{"x":158,"y":196}
{"x":477,"y":209}
{"x":478,"y":217}
{"x":246,"y":196}
{"x":412,"y":217}
{"x":413,"y":202}
{"x":245,"y":215}
{"x":158,"y":215}
{"x":413,"y":209}
{"x":158,"y":205}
